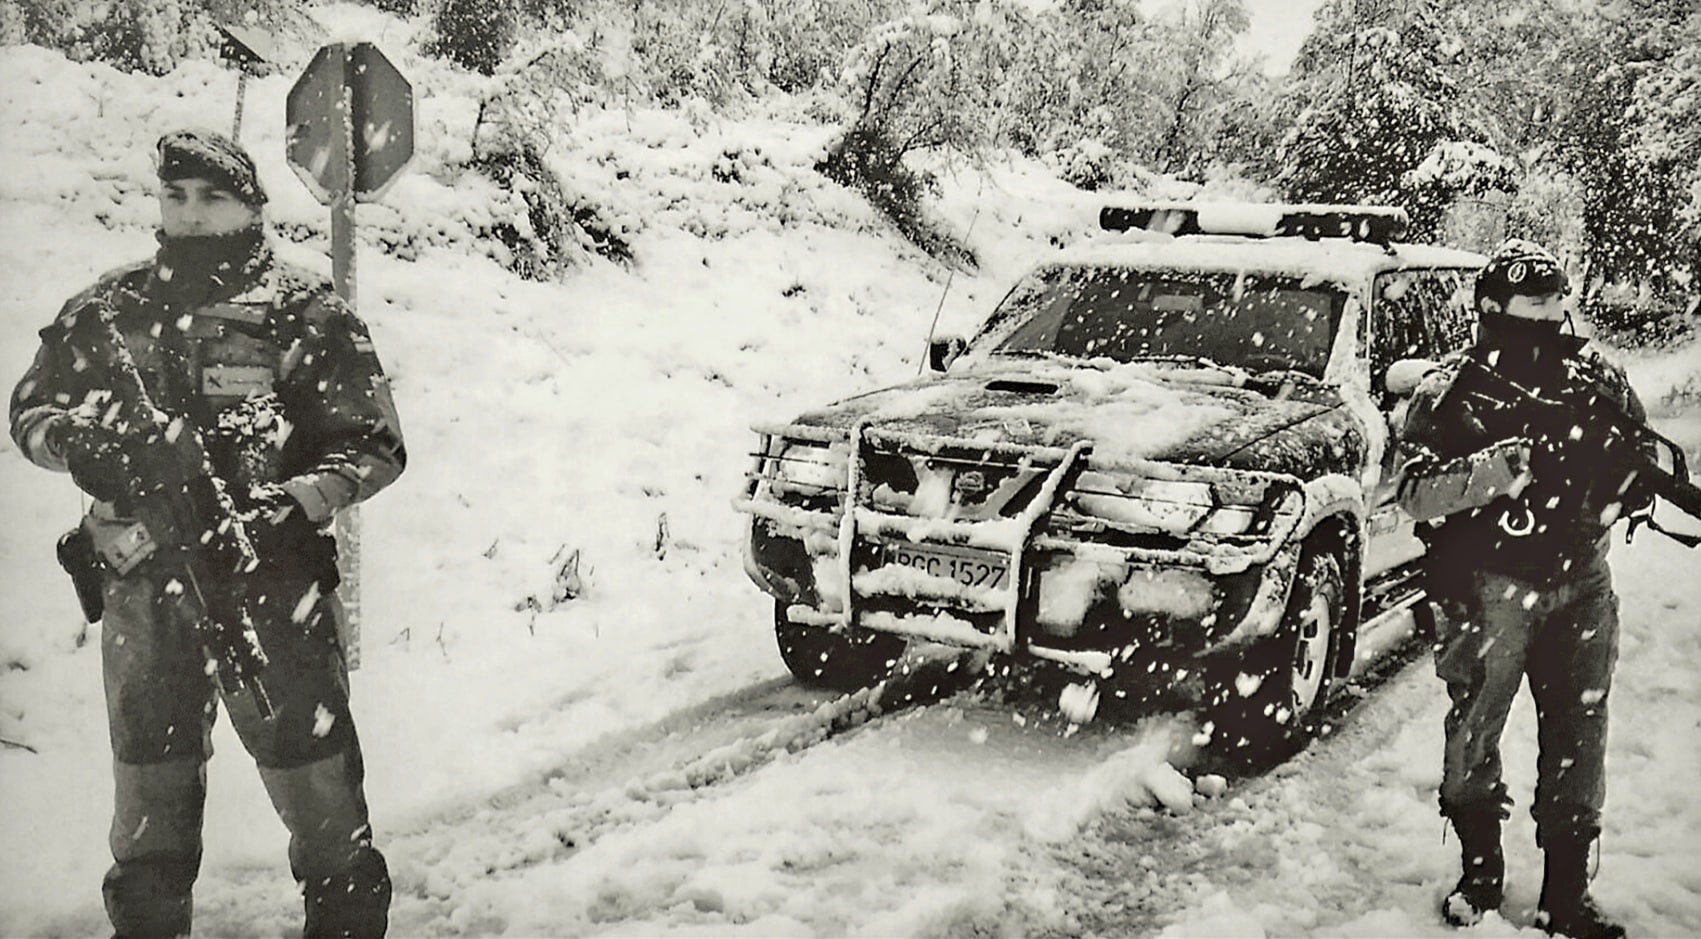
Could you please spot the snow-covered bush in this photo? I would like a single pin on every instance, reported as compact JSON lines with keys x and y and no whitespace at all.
{"x":916,"y":83}
{"x":867,"y":159}
{"x":807,"y":40}
{"x":151,"y":36}
{"x":398,"y":7}
{"x":475,"y":34}
{"x":553,"y":231}
{"x":1456,"y":172}
{"x":1086,"y":164}
{"x":1641,"y":322}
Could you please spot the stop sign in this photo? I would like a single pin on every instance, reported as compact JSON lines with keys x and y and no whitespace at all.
{"x":350,"y":118}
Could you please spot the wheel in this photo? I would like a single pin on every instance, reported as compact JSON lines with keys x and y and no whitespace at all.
{"x":1266,"y":704}
{"x":840,"y":661}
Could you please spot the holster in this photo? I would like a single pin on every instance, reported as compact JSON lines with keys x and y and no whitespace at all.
{"x":77,"y":555}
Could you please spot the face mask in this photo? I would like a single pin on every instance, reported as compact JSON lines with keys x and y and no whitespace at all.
{"x":194,"y":268}
{"x":1529,"y":351}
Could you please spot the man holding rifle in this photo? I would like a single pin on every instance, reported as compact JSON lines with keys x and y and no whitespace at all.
{"x":219,"y":407}
{"x":1527,"y":450}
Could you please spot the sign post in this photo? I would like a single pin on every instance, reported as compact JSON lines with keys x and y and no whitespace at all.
{"x":249,"y":51}
{"x":350,"y":118}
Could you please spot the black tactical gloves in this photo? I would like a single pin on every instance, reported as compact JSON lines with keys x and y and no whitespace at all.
{"x":95,"y":455}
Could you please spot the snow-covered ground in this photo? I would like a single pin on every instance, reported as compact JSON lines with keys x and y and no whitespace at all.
{"x":634,"y":761}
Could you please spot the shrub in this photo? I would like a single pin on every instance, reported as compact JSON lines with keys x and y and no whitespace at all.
{"x":398,"y":7}
{"x":1087,"y":164}
{"x":475,"y":34}
{"x":151,"y":36}
{"x":1631,"y":323}
{"x":558,"y":228}
{"x":39,"y":22}
{"x":865,"y":158}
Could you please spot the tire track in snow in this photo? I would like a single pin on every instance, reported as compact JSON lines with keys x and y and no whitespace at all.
{"x":637,"y":779}
{"x":1136,"y":871}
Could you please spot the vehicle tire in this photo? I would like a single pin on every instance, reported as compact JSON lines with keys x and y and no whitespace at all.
{"x":1265,"y":705}
{"x":839,"y":661}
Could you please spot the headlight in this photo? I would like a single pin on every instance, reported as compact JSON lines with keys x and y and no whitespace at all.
{"x":1164,"y":504}
{"x":1170,"y":505}
{"x":809,"y":468}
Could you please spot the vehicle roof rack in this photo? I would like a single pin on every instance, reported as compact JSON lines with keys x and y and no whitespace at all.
{"x":1374,"y":224}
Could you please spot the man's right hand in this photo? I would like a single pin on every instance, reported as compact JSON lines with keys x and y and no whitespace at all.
{"x":95,"y":455}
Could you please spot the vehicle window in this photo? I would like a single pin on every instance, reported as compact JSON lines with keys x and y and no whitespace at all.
{"x":1259,"y":322}
{"x":1453,"y":317}
{"x":1418,"y":314}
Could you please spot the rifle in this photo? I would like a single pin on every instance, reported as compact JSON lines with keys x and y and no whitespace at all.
{"x":175,"y":492}
{"x":1655,"y":457}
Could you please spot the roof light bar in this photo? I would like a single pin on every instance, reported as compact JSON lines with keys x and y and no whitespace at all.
{"x":1376,"y":224}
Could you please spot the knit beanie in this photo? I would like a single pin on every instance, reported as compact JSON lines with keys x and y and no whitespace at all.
{"x":1520,"y":268}
{"x":206,"y":154}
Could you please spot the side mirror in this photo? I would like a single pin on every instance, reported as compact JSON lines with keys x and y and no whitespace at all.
{"x":1403,"y":377}
{"x":942,"y":351}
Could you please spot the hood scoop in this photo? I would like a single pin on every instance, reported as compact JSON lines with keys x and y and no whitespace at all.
{"x":1020,"y":386}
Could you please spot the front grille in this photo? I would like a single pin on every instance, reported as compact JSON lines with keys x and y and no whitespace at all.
{"x":960,"y":482}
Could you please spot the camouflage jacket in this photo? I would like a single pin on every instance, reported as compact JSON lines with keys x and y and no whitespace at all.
{"x":1581,"y":479}
{"x":281,"y":379}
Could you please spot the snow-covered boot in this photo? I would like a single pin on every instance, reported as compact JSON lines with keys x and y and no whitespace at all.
{"x":355,"y":905}
{"x":1482,"y":886}
{"x":1566,"y":909}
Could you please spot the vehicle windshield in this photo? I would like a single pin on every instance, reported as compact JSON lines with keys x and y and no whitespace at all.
{"x":1255,"y":321}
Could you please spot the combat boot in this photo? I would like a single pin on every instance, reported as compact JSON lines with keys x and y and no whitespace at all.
{"x":354,"y":905}
{"x":1482,"y":886}
{"x":1566,"y":909}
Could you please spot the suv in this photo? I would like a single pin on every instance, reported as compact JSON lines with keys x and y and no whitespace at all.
{"x":1164,"y":463}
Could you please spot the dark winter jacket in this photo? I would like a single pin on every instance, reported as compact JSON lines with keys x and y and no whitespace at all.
{"x":1582,"y":478}
{"x":267,"y":361}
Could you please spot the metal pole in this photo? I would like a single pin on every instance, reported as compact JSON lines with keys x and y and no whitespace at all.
{"x":342,"y":208}
{"x":342,"y":247}
{"x":347,"y":523}
{"x":241,"y":93}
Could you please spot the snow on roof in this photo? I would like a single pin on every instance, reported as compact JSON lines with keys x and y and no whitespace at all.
{"x":1326,"y":259}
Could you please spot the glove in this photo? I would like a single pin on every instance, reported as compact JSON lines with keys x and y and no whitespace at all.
{"x":287,"y":542}
{"x":95,"y":455}
{"x":273,"y":520}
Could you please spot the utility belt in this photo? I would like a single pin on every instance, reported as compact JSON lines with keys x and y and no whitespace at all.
{"x":1511,"y":540}
{"x":105,"y":543}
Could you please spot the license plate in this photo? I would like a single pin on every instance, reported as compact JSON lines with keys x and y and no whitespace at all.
{"x":966,"y":566}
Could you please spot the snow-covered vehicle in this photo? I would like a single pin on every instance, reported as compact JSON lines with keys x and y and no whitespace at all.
{"x":1164,"y":462}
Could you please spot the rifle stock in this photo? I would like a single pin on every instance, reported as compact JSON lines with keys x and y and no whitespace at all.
{"x":187,"y":496}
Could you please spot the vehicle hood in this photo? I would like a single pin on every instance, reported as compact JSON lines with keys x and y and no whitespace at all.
{"x":1140,"y":411}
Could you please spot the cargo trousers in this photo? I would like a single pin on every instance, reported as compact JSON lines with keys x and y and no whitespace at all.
{"x":1562,"y":636}
{"x":161,"y":706}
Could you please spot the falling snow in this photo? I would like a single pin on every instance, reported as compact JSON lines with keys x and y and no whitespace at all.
{"x":634,"y":761}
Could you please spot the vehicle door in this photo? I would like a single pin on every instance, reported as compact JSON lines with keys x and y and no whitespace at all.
{"x":1414,"y":314}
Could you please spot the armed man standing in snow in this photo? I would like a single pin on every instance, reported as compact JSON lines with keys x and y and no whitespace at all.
{"x":219,"y":407}
{"x":1521,"y":499}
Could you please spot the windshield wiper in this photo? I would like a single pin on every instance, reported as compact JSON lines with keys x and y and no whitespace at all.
{"x":1198,"y":361}
{"x":1047,"y":356}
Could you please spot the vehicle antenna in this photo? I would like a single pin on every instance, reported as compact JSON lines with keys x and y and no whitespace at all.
{"x":921,"y":367}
